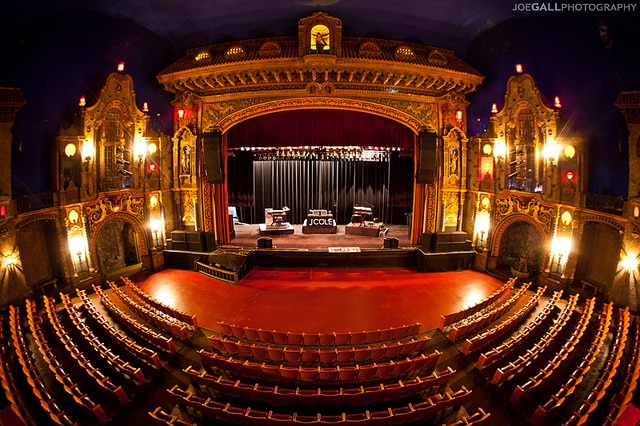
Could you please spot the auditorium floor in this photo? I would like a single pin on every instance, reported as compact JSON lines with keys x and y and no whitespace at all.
{"x":328,"y":300}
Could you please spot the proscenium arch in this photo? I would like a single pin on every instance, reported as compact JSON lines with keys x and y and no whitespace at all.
{"x":415,"y":123}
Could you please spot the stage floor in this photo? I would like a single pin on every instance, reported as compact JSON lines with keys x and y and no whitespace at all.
{"x":247,"y":236}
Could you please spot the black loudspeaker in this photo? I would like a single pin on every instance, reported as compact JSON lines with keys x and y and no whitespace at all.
{"x":426,"y":169}
{"x":213,"y":164}
{"x":427,"y":238}
{"x":391,"y":242}
{"x":264,"y":242}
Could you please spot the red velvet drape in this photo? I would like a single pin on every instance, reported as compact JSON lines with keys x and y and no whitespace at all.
{"x":320,"y":127}
{"x":221,"y":200}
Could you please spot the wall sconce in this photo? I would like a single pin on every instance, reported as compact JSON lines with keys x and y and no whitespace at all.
{"x":153,"y":201}
{"x":459,"y":115}
{"x":87,"y":150}
{"x":121,"y":66}
{"x":636,"y":211}
{"x":569,"y":152}
{"x":499,"y":149}
{"x":152,"y":148}
{"x":83,"y":101}
{"x":3,"y":211}
{"x":139,"y":148}
{"x":156,"y":226}
{"x":481,"y":227}
{"x":566,"y":219}
{"x":77,"y":248}
{"x":494,"y":108}
{"x":519,"y":68}
{"x":560,"y":248}
{"x":487,"y":149}
{"x":570,"y":175}
{"x":70,"y":150}
{"x":551,"y":151}
{"x":180,"y":113}
{"x":73,"y":217}
{"x":629,"y":263}
{"x":145,"y":107}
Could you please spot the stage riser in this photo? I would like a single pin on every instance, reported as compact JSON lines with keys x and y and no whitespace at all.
{"x":364,"y":259}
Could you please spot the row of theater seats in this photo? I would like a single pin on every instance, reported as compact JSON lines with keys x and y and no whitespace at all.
{"x":313,"y":355}
{"x":160,"y":341}
{"x":546,"y":368}
{"x":486,"y":316}
{"x":351,"y":338}
{"x":158,"y":318}
{"x":191,"y":321}
{"x":371,"y":377}
{"x":462,"y":315}
{"x":144,"y":354}
{"x":72,"y":363}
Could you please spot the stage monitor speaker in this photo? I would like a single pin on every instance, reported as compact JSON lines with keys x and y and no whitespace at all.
{"x":427,"y":239}
{"x":213,"y":164}
{"x":264,"y":242}
{"x":426,"y":169}
{"x":391,"y":242}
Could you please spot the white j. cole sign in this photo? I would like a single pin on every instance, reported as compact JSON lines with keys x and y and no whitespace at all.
{"x":321,"y":221}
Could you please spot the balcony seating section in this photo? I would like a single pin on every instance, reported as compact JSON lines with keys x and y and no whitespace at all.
{"x":549,"y":411}
{"x":229,"y":413}
{"x":516,"y":342}
{"x":31,"y":374}
{"x":486,"y":316}
{"x":190,"y":320}
{"x":495,"y":297}
{"x":560,"y":358}
{"x":49,"y":356}
{"x":176,"y":328}
{"x":482,"y":339}
{"x":590,"y":403}
{"x":102,"y":380}
{"x":12,"y":393}
{"x":158,"y":340}
{"x":125,"y":368}
{"x":142,"y":353}
{"x":625,"y":393}
{"x":507,"y":372}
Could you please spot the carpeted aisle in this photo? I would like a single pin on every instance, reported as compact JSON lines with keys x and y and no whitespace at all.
{"x":321,"y":300}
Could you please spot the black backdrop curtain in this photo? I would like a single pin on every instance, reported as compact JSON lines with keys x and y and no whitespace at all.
{"x":335,"y":185}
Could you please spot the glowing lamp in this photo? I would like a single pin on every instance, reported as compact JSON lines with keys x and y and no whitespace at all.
{"x":566,"y":218}
{"x":569,"y":152}
{"x":459,"y":115}
{"x":73,"y":217}
{"x":83,"y":101}
{"x":145,"y":107}
{"x":629,"y":263}
{"x":570,"y":175}
{"x":636,"y":211}
{"x":499,"y":148}
{"x":556,"y":102}
{"x":494,"y":108}
{"x":139,"y":147}
{"x":180,"y":113}
{"x":70,"y":150}
{"x":87,"y":149}
{"x":120,"y":66}
{"x":519,"y":68}
{"x":486,"y":149}
{"x":551,"y":150}
{"x":3,"y":211}
{"x":152,"y":148}
{"x":152,"y":167}
{"x":153,"y":201}
{"x":561,"y":246}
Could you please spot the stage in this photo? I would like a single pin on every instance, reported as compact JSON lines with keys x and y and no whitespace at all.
{"x":246,"y":236}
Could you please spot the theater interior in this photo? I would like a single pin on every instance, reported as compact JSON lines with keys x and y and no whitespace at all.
{"x":318,"y":212}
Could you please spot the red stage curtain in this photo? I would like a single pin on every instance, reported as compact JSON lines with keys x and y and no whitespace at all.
{"x":320,"y":127}
{"x":221,"y":201}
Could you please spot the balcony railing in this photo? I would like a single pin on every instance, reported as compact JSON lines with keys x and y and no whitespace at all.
{"x":34,"y":202}
{"x":613,"y":204}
